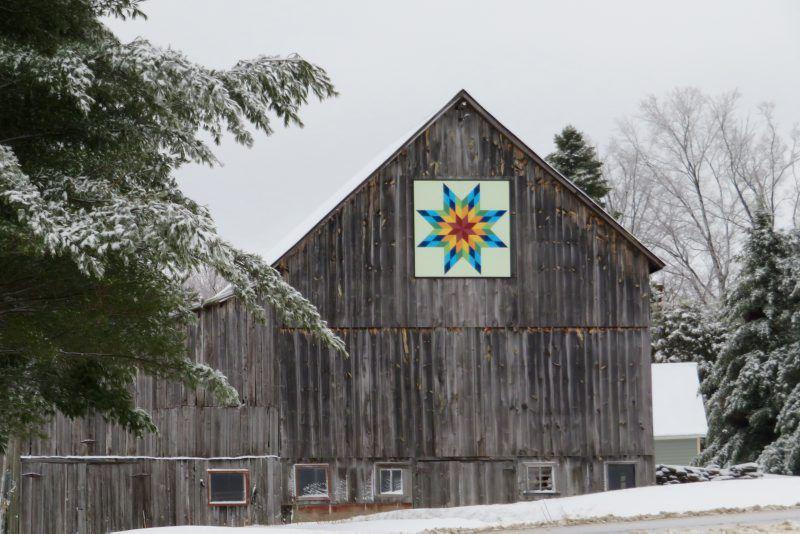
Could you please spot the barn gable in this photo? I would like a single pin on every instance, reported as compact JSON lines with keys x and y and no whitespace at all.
{"x":359,"y":263}
{"x":465,"y":104}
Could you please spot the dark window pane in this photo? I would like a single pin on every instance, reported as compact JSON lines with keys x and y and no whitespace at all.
{"x":545,"y":479}
{"x":621,"y":476}
{"x":397,"y":481}
{"x":312,"y":481}
{"x":227,"y":487}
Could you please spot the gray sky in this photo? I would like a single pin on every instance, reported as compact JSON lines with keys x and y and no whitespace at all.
{"x":535,"y":65}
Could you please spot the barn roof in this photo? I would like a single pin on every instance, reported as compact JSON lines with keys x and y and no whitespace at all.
{"x":319,"y":215}
{"x":678,"y":409}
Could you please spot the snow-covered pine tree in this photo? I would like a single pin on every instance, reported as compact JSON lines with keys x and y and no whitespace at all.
{"x":684,"y":331}
{"x":96,"y":238}
{"x":577,"y":160}
{"x":753,"y":389}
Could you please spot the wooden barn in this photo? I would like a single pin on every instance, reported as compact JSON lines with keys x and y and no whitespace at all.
{"x":497,"y":326}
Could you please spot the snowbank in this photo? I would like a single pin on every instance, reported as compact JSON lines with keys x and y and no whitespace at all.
{"x":651,"y":500}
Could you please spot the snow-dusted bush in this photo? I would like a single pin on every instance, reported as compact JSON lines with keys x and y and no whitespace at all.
{"x":687,"y":332}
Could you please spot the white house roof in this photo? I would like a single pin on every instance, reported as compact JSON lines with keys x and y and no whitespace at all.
{"x":678,"y":409}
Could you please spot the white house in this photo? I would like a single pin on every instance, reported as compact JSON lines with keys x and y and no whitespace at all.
{"x":679,"y":416}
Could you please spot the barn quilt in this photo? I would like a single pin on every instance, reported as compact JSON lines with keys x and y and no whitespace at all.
{"x":461,"y":228}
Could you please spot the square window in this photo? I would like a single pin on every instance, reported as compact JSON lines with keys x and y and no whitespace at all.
{"x":620,"y":475}
{"x":227,"y":487}
{"x":540,"y":478}
{"x":311,"y":481}
{"x":391,"y":481}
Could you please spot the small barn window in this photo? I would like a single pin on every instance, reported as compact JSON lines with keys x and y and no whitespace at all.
{"x":227,"y":487}
{"x":391,"y":481}
{"x":311,"y":481}
{"x":620,"y":475}
{"x":540,"y":478}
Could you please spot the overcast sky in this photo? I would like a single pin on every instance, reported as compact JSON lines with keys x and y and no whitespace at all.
{"x":535,"y":65}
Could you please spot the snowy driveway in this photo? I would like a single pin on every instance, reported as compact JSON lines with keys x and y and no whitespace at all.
{"x":761,"y":521}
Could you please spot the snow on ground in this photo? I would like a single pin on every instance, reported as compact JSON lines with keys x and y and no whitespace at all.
{"x":651,"y":500}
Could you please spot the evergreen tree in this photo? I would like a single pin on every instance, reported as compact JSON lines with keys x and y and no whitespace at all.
{"x":686,"y":332}
{"x":96,"y":238}
{"x":576,"y":160}
{"x":753,"y":389}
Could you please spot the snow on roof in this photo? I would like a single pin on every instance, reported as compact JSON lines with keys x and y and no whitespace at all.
{"x":224,"y":294}
{"x":678,"y":408}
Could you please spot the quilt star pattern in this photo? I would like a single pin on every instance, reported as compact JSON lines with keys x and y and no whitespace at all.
{"x":463,"y":230}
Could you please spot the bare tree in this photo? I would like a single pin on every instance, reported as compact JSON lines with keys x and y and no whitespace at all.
{"x":756,"y":158}
{"x":632,"y":199}
{"x":688,"y":174}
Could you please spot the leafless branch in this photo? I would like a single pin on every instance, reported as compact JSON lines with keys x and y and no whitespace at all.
{"x":690,"y":171}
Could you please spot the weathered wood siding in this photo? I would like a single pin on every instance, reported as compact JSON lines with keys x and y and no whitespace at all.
{"x":110,"y":494}
{"x":460,"y":379}
{"x":191,"y":423}
{"x":552,"y":361}
{"x":569,"y":268}
{"x":467,"y":392}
